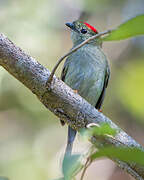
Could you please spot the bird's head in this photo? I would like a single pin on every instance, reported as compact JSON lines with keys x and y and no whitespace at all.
{"x":81,"y":31}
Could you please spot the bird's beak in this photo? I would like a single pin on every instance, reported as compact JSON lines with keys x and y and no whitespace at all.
{"x":71,"y":26}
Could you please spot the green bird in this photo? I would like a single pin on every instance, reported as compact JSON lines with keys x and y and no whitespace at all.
{"x":86,"y":70}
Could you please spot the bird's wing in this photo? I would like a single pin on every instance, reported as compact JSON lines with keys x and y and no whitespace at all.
{"x":101,"y":98}
{"x":64,"y":70}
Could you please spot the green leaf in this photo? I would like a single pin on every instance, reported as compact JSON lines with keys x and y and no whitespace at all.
{"x":131,"y":28}
{"x":130,"y":155}
{"x":72,"y":164}
{"x":102,"y":130}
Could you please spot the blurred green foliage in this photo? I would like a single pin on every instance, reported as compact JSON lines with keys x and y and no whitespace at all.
{"x":132,"y":87}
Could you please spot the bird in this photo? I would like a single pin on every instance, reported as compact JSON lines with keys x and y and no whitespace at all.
{"x":86,"y":70}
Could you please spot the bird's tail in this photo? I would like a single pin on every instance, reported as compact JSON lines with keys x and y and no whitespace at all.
{"x":70,"y":140}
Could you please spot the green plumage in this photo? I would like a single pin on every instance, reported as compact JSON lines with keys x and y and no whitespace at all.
{"x":87,"y":71}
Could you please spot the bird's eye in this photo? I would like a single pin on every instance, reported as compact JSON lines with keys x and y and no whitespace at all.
{"x":84,"y":31}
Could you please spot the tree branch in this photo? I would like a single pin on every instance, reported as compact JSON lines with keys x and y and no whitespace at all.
{"x":61,"y":100}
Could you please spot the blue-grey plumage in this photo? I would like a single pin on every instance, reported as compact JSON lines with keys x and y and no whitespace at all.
{"x":86,"y":70}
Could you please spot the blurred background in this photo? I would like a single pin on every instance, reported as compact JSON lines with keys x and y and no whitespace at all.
{"x":32,"y":141}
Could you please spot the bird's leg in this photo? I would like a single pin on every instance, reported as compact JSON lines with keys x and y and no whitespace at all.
{"x":70,"y":140}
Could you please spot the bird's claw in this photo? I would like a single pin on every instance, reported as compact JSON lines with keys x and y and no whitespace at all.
{"x":75,"y":91}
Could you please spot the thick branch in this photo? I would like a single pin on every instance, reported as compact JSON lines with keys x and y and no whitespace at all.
{"x":61,"y":100}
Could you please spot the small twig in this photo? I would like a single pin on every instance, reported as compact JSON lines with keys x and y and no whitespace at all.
{"x":88,"y":162}
{"x":73,"y":50}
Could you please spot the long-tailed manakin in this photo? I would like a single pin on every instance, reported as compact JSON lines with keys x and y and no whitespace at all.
{"x":86,"y":70}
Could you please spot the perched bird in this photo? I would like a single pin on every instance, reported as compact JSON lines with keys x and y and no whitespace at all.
{"x":86,"y":70}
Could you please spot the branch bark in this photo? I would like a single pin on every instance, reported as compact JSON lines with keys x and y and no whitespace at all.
{"x":60,"y":99}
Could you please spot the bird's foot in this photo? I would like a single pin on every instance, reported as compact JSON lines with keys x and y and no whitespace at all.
{"x":75,"y":91}
{"x":100,"y":110}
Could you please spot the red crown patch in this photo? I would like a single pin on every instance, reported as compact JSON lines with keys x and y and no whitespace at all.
{"x":91,"y":27}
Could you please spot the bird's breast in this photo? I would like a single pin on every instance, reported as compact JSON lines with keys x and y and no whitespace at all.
{"x":85,"y":73}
